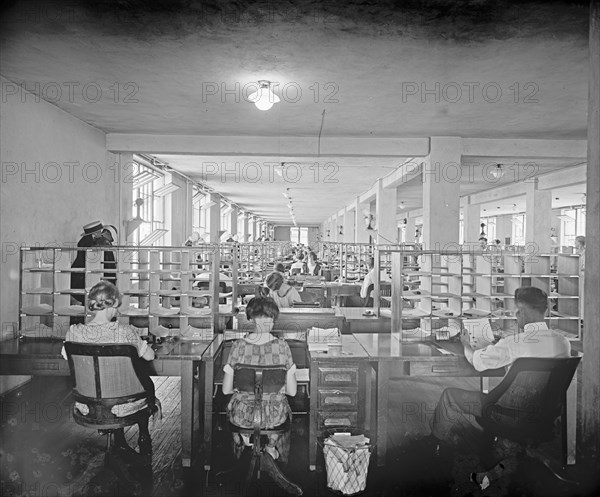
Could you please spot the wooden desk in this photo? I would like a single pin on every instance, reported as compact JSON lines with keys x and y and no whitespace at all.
{"x":336,"y":293}
{"x":357,"y":322}
{"x":416,"y":359}
{"x":42,"y":357}
{"x":338,"y":391}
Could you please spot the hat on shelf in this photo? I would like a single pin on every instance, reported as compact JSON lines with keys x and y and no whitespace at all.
{"x":94,"y":227}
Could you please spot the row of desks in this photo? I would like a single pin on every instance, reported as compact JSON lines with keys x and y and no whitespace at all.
{"x":196,"y":363}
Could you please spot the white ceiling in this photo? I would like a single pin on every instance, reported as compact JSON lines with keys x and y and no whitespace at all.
{"x":344,"y":69}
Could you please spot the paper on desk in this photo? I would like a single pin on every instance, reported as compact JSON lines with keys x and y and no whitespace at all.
{"x":480,"y":332}
{"x":324,"y":335}
{"x":318,"y":346}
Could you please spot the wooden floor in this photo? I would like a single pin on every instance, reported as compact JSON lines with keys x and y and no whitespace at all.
{"x":44,"y":453}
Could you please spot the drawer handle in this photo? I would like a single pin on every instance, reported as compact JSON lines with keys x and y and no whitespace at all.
{"x":338,"y":377}
{"x":337,"y":421}
{"x":338,"y":400}
{"x":437,"y":369}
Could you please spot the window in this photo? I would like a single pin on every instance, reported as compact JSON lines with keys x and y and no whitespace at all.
{"x":572,"y":225}
{"x":147,"y":206}
{"x":299,"y":235}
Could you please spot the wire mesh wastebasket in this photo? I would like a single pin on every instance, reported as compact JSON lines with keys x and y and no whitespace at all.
{"x":347,"y":466}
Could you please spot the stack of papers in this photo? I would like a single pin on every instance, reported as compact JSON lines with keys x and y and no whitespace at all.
{"x":322,"y":338}
{"x":347,"y":441}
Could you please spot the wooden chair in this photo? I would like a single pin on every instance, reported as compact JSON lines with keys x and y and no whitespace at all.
{"x":261,"y":380}
{"x":109,"y":375}
{"x":523,"y":408}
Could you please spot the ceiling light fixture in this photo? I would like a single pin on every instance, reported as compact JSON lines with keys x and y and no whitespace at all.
{"x":497,"y":172}
{"x":264,"y":98}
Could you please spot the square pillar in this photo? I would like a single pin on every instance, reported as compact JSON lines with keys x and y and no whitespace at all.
{"x":243,"y":235}
{"x":233,"y":223}
{"x":471,"y":222}
{"x":503,"y":228}
{"x":349,"y":222}
{"x":538,"y":204}
{"x":215,"y":218}
{"x":385,"y":214}
{"x":441,"y":193}
{"x":361,"y":234}
{"x":410,"y":229}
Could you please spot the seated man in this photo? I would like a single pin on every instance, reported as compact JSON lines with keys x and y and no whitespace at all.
{"x":454,"y":417}
{"x":370,"y":279}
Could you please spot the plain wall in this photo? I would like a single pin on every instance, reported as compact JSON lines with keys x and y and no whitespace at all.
{"x":56,"y":177}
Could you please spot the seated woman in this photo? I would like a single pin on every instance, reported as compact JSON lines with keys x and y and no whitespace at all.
{"x":299,"y":266}
{"x":104,"y":300}
{"x":261,"y":348}
{"x":313,"y":268}
{"x":283,"y":294}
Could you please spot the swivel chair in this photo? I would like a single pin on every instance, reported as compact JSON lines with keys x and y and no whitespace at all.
{"x":259,"y":380}
{"x":523,"y":408}
{"x":106,"y":378}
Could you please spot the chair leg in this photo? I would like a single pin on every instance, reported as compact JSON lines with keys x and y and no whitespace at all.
{"x":551,"y":465}
{"x":144,"y":440}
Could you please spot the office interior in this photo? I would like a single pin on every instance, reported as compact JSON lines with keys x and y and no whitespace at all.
{"x":388,"y":129}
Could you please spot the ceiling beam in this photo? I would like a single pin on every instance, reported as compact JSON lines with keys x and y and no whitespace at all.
{"x":406,"y":172}
{"x":279,"y":146}
{"x":556,"y":179}
{"x":491,"y":147}
{"x":564,"y":177}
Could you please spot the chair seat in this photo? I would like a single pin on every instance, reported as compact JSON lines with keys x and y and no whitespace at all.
{"x":113,"y":422}
{"x":263,"y":431}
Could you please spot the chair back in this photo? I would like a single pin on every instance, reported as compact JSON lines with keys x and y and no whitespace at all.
{"x":528,"y":400}
{"x":105,"y":375}
{"x":259,"y":379}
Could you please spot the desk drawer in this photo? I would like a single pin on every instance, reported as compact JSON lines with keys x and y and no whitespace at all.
{"x":338,"y":375}
{"x":440,"y":369}
{"x":338,"y":399}
{"x":328,"y":420}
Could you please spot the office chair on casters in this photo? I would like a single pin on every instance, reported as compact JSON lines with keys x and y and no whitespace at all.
{"x":261,"y":380}
{"x":109,"y":375}
{"x":523,"y":408}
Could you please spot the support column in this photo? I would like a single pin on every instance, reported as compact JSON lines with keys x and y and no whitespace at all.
{"x":385,"y":206}
{"x":471,"y":222}
{"x":349,"y":221}
{"x":504,"y":228}
{"x":244,"y":226}
{"x":538,"y":204}
{"x":361,"y":234}
{"x":233,"y":223}
{"x":591,"y":338}
{"x":215,"y":218}
{"x":338,"y":220}
{"x":348,"y":224}
{"x":410,"y":229}
{"x":441,"y":193}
